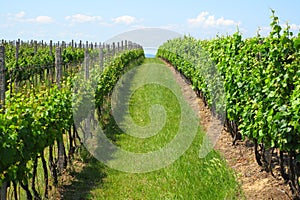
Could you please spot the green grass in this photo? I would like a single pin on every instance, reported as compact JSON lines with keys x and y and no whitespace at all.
{"x":189,"y":177}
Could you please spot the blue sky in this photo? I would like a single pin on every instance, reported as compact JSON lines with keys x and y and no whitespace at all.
{"x":98,"y":21}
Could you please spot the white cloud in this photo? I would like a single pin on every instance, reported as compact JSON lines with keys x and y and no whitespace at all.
{"x":16,"y":16}
{"x":204,"y":19}
{"x":125,"y":19}
{"x":42,"y":20}
{"x":81,"y":18}
{"x":20,"y":14}
{"x":21,"y":17}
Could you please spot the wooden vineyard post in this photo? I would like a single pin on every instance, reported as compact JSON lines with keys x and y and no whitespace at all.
{"x":130,"y":45}
{"x":17,"y":51}
{"x":51,"y":70}
{"x":58,"y":67}
{"x":87,"y":123}
{"x":113,"y":49}
{"x":91,"y":58}
{"x":35,"y":76}
{"x":3,"y":188}
{"x":35,"y":47}
{"x":2,"y":76}
{"x":101,"y":58}
{"x":17,"y":65}
{"x":86,"y":64}
{"x":51,"y":46}
{"x":61,"y":148}
{"x":108,"y":52}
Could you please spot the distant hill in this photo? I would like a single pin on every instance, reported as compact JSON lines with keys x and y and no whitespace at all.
{"x":147,"y":37}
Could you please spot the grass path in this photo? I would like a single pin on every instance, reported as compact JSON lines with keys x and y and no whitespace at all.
{"x":189,"y":177}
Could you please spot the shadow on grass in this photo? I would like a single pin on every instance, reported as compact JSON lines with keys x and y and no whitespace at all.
{"x":87,"y":173}
{"x":90,"y":176}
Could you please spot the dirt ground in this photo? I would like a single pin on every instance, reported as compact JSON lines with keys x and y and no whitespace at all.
{"x":254,"y":181}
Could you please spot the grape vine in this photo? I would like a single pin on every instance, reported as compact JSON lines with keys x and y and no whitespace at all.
{"x":35,"y":118}
{"x":261,"y":78}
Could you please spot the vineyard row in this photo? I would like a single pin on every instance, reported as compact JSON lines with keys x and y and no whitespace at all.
{"x":253,"y":85}
{"x":37,"y":104}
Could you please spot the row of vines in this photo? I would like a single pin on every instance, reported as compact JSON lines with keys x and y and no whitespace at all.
{"x":260,"y":77}
{"x":37,"y":131}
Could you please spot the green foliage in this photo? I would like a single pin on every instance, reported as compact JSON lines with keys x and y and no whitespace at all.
{"x":30,"y":62}
{"x":188,"y":57}
{"x":113,"y":72}
{"x":27,"y":56}
{"x":261,"y":78}
{"x":31,"y":122}
{"x":35,"y":117}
